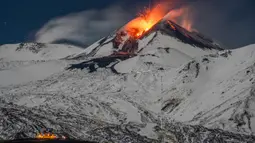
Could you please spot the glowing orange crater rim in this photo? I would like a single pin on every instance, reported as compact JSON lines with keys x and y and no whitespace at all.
{"x":144,"y":22}
{"x":149,"y":17}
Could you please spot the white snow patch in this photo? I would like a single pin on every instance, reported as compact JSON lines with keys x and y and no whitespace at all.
{"x":127,"y":66}
{"x":145,"y":41}
{"x":148,"y":131}
{"x":29,"y":73}
{"x":132,"y":112}
{"x":31,"y":101}
{"x":165,"y":41}
{"x":105,"y":50}
{"x":9,"y":52}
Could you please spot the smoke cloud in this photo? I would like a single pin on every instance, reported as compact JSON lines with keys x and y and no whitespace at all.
{"x":230,"y":22}
{"x":83,"y":28}
{"x":182,"y":16}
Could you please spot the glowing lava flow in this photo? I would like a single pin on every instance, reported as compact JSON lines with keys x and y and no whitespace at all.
{"x":46,"y":136}
{"x":145,"y":21}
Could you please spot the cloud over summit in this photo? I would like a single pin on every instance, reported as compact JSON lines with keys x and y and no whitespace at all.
{"x":83,"y":27}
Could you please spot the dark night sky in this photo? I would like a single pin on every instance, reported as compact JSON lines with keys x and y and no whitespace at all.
{"x":229,"y":21}
{"x":21,"y":18}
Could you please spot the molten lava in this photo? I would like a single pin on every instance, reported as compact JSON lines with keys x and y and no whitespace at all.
{"x":145,"y":21}
{"x":148,"y":18}
{"x":172,"y":26}
{"x":46,"y":136}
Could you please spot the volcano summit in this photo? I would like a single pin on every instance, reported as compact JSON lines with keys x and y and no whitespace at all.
{"x":164,"y":84}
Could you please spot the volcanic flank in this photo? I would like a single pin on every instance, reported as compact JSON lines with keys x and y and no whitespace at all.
{"x":132,"y":38}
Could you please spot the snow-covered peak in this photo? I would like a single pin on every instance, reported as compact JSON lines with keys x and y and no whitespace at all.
{"x":36,"y":51}
{"x":165,"y":34}
{"x":165,"y":45}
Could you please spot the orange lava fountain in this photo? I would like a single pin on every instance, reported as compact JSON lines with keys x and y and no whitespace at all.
{"x":144,"y":21}
{"x":148,"y":18}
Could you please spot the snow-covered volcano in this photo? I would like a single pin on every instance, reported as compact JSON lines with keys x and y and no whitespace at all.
{"x":168,"y":85}
{"x":165,"y":45}
{"x":165,"y":34}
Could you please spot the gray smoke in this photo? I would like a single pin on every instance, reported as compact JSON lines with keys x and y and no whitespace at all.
{"x":84,"y":27}
{"x":229,"y":21}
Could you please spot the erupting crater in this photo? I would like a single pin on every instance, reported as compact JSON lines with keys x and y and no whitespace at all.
{"x":126,"y":39}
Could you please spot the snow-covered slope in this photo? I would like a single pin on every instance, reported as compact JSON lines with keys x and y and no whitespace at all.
{"x":36,"y":51}
{"x":169,"y":85}
{"x":26,"y":62}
